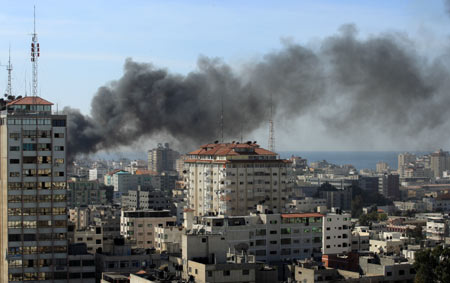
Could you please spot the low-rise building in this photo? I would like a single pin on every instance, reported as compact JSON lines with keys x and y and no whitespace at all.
{"x":139,"y":225}
{"x":437,"y":228}
{"x":81,"y":264}
{"x":394,"y":269}
{"x":360,"y":241}
{"x":336,"y":233}
{"x":306,"y":204}
{"x":168,"y":239}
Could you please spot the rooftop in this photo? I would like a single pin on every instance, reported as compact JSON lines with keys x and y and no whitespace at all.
{"x":224,"y":149}
{"x":30,"y":100}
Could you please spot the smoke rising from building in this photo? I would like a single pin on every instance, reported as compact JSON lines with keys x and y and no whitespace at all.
{"x":349,"y":84}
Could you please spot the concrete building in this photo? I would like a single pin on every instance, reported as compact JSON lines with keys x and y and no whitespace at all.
{"x":382,"y":167}
{"x":33,"y":220}
{"x":269,"y":237}
{"x":404,"y":160}
{"x":139,"y":225}
{"x":437,"y":228}
{"x":232,"y":179}
{"x":440,"y":203}
{"x":83,"y":193}
{"x":239,"y":268}
{"x":360,"y":241}
{"x":145,"y":199}
{"x":168,"y":239}
{"x":81,"y":264}
{"x":340,"y":198}
{"x":121,"y":258}
{"x":394,"y":269}
{"x":91,"y":236}
{"x":162,"y":158}
{"x":368,"y":183}
{"x":97,"y":174}
{"x":440,"y":162}
{"x":123,"y":181}
{"x":336,"y":233}
{"x":389,"y":186}
{"x":306,"y":204}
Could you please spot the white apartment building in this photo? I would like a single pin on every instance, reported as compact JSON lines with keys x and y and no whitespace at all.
{"x":269,"y":237}
{"x":139,"y":225}
{"x":232,"y":179}
{"x":360,"y":241}
{"x":168,"y":239}
{"x":33,"y":208}
{"x":437,"y":228}
{"x":337,"y":233}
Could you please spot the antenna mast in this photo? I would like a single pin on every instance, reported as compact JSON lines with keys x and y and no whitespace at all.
{"x":271,"y":128}
{"x":221,"y":118}
{"x":9,"y":69}
{"x":35,"y":53}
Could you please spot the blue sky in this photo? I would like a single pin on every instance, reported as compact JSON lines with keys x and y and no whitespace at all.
{"x":84,"y":43}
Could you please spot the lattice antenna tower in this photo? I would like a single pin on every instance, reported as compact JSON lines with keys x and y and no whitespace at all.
{"x":9,"y":68}
{"x":35,"y":53}
{"x":221,"y":117}
{"x":271,"y":128}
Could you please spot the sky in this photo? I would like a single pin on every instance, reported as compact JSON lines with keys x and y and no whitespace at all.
{"x":84,"y":44}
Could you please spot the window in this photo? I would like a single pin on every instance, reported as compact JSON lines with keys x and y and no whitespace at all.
{"x":401,"y":272}
{"x":29,"y":147}
{"x":59,"y":123}
{"x":273,"y":232}
{"x":59,"y":135}
{"x":14,"y":148}
{"x":59,"y":148}
{"x":210,"y":274}
{"x":245,"y":272}
{"x":226,"y":273}
{"x":389,"y":273}
{"x":14,"y":161}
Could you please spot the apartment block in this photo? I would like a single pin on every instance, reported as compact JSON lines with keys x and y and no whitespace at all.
{"x":33,"y":220}
{"x":139,"y":225}
{"x":232,"y":179}
{"x":269,"y":237}
{"x":162,"y":158}
{"x":337,"y":233}
{"x":83,"y":193}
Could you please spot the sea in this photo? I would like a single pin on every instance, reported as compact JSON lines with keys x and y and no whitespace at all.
{"x":359,"y":159}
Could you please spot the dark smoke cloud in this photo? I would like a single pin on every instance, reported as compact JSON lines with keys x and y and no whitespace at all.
{"x":349,"y":84}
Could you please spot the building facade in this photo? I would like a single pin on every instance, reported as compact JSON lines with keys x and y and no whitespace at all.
{"x":139,"y":226}
{"x":232,"y":179}
{"x":33,"y":220}
{"x":162,"y":158}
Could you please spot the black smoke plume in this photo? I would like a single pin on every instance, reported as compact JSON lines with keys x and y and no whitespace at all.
{"x":348,"y":84}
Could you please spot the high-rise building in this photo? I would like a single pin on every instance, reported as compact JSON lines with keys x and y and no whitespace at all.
{"x":389,"y":185}
{"x":382,"y":167}
{"x":440,"y":161}
{"x":403,"y":160}
{"x":232,"y":179}
{"x":162,"y":158}
{"x":33,"y":217}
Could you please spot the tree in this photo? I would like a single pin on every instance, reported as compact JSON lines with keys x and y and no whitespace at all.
{"x":432,"y":265}
{"x":357,"y":206}
{"x":415,"y":233}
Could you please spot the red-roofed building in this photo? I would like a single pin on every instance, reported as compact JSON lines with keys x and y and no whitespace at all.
{"x":233,"y":178}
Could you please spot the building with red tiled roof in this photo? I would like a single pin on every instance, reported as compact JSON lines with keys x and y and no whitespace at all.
{"x":30,"y":100}
{"x":233,"y":178}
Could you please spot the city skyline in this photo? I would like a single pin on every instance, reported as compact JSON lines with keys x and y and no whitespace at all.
{"x":75,"y":63}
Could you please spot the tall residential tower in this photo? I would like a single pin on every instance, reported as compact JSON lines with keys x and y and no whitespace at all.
{"x":232,"y":179}
{"x":33,"y":218}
